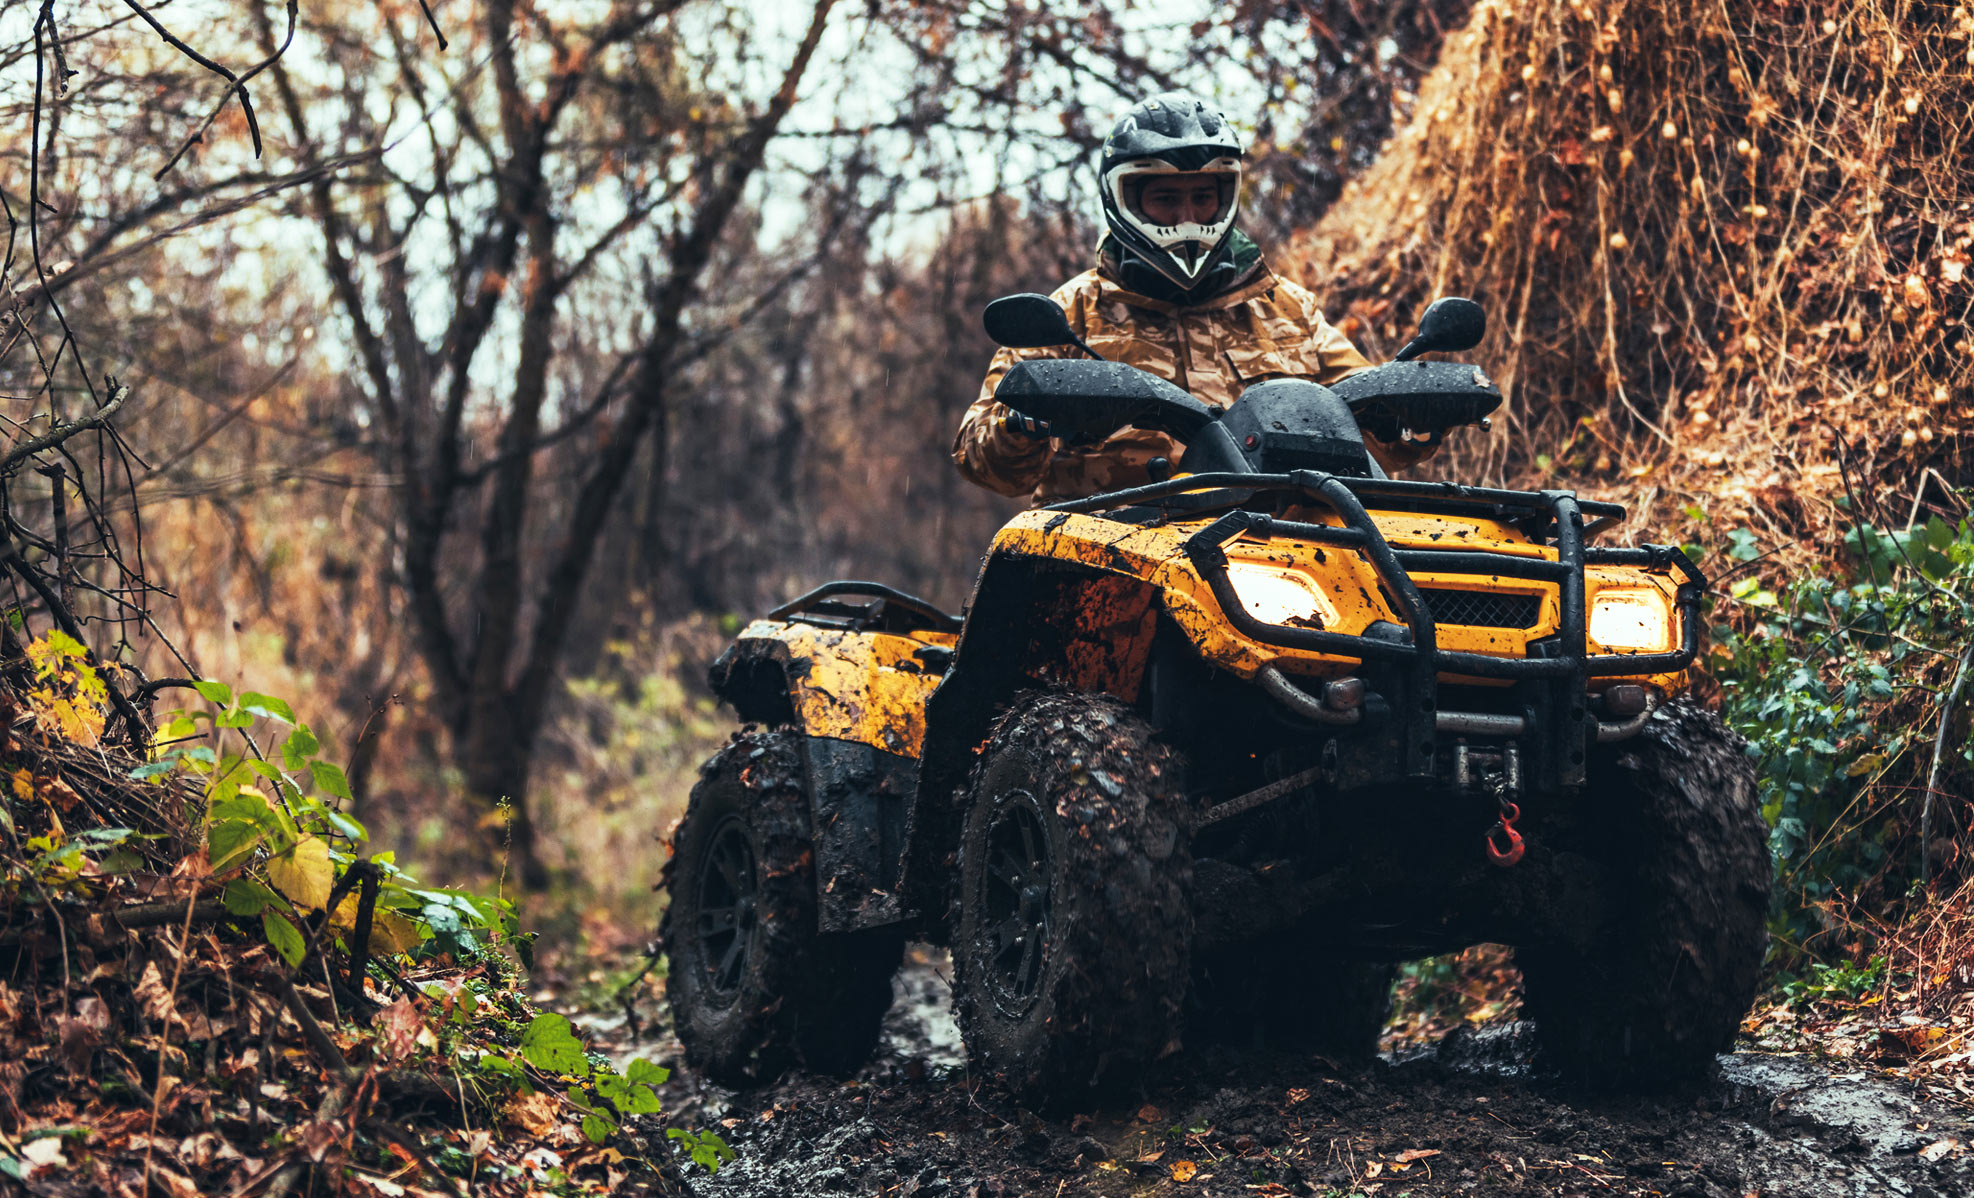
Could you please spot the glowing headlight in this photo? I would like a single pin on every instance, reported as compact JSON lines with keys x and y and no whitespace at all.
{"x":1276,"y":596}
{"x":1635,"y":618}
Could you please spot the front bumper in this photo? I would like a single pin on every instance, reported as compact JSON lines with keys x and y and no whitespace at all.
{"x":1552,"y":684}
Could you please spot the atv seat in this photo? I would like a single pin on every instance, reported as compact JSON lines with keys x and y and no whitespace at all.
{"x":887,"y":609}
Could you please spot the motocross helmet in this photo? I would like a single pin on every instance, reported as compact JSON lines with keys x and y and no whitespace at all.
{"x":1170,"y":134}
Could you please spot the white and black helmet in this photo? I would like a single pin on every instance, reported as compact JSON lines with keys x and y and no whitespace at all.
{"x":1171,"y":133}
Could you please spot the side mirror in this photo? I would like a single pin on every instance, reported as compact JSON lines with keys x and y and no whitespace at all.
{"x":1449,"y":325}
{"x":1027,"y":321}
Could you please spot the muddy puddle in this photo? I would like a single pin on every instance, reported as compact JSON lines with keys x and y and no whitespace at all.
{"x":1462,"y":1117}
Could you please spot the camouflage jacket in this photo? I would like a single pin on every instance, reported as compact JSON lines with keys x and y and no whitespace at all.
{"x":1264,"y":327}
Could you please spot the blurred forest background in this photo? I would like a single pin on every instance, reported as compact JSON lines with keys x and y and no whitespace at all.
{"x":466,"y":375}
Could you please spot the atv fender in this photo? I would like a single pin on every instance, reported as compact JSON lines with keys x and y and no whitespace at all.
{"x":1033,"y":622}
{"x":858,"y":793}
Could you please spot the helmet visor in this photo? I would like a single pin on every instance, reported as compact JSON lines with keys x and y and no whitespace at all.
{"x":1172,"y":198}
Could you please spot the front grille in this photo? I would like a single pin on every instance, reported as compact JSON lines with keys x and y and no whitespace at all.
{"x":1485,"y":609}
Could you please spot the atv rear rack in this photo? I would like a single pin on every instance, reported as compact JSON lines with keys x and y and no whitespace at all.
{"x":1414,"y":651}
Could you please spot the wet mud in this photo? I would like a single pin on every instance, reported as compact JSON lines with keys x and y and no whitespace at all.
{"x":1460,"y":1117}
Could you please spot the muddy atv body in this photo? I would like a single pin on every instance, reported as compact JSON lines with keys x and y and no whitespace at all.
{"x":1210,"y":755}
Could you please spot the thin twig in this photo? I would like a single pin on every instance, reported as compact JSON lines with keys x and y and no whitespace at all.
{"x":239,"y":85}
{"x":1933,"y":775}
{"x":164,"y":1036}
{"x":236,"y":84}
{"x":63,"y":430}
{"x":433,"y":22}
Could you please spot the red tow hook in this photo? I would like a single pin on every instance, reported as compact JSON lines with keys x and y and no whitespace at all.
{"x":1505,"y":827}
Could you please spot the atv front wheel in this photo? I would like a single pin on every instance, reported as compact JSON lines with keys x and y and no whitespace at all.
{"x":1678,"y":959}
{"x":753,"y":987}
{"x":1071,"y":958}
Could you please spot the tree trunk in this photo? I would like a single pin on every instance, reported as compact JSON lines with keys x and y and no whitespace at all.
{"x":494,"y":750}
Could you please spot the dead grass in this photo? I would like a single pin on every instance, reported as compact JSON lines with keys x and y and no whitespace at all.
{"x":1724,"y":248}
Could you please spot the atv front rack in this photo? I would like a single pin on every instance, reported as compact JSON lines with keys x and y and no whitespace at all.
{"x":1567,"y":665}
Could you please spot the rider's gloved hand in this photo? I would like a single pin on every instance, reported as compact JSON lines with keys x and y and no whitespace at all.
{"x":1025,"y":426}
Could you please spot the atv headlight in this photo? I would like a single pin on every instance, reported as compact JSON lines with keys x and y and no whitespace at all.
{"x":1276,"y":596}
{"x":1634,"y":618}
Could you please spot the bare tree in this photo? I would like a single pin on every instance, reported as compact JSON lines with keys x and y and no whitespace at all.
{"x":501,"y":155}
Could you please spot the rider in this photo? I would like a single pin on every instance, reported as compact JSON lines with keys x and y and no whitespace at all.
{"x":1177,"y":291}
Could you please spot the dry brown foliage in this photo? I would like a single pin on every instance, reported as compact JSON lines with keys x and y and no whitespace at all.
{"x":1724,"y":247}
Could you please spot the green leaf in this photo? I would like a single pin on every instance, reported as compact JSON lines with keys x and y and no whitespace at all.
{"x":449,"y":931}
{"x":234,"y":718}
{"x":214,"y":692}
{"x":119,"y":861}
{"x":345,"y":826}
{"x":551,"y":1046}
{"x":229,"y":842}
{"x":707,"y":1149}
{"x":643,"y":1072}
{"x":231,"y":803}
{"x":284,"y":936}
{"x":152,"y":769}
{"x":299,"y":747}
{"x":246,"y":897}
{"x":267,"y":707}
{"x":597,"y":1126}
{"x":329,"y":778}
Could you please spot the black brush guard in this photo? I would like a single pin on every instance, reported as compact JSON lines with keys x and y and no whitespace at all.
{"x":1560,"y":682}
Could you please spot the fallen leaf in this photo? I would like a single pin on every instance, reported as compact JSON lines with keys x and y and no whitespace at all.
{"x":177,"y":1185}
{"x":153,"y":997}
{"x":399,"y":1025}
{"x":1374,"y":1168}
{"x":44,"y":1154}
{"x":1183,"y":1171}
{"x":1150,"y":1114}
{"x":391,"y":933}
{"x":533,"y":1113}
{"x":1417,"y":1154}
{"x":1937,"y":1149}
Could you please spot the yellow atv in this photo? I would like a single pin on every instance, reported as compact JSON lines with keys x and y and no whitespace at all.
{"x":1208,"y":756}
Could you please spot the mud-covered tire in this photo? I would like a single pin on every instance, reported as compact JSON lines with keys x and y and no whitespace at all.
{"x":1678,"y":960}
{"x":1292,"y":1001}
{"x":1079,"y":785}
{"x":743,"y":857}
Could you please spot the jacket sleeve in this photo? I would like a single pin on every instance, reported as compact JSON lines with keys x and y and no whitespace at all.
{"x":986,"y":451}
{"x":1340,"y":359}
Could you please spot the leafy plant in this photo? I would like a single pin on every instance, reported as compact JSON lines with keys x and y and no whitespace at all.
{"x":608,"y":1097}
{"x":1835,"y":682}
{"x":278,"y":828}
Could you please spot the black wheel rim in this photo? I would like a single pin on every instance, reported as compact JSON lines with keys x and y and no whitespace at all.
{"x":725,"y":924}
{"x":1015,"y":904}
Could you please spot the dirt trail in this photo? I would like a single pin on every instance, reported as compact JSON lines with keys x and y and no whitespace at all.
{"x":1461,"y":1118}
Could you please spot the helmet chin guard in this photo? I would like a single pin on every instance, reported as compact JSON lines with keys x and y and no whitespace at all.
{"x":1170,"y":134}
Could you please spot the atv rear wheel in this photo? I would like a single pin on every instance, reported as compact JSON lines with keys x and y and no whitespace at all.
{"x":753,"y":987}
{"x":1274,"y":993}
{"x":1071,"y":957}
{"x":1678,"y":960}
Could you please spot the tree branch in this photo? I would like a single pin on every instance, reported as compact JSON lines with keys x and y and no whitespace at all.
{"x":63,"y":430}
